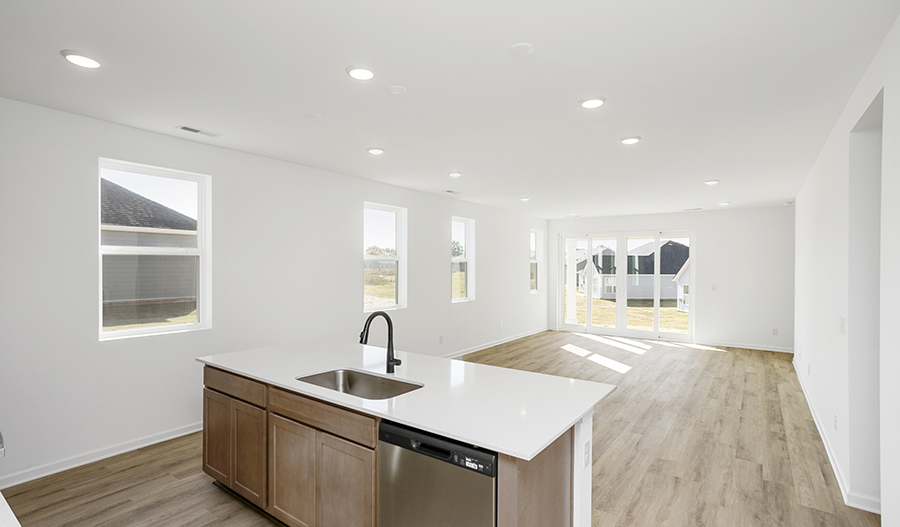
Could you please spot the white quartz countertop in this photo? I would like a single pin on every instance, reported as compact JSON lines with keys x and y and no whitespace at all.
{"x":512,"y":412}
{"x":7,"y":518}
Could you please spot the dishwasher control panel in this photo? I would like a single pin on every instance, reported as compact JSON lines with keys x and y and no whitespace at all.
{"x":442,"y":448}
{"x":478,"y":465}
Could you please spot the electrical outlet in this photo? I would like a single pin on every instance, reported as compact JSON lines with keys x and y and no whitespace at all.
{"x":714,"y":287}
{"x":501,"y":325}
{"x":587,"y":454}
{"x":808,"y":369}
{"x":841,"y":329}
{"x":835,"y":422}
{"x":774,"y":332}
{"x":441,"y":339}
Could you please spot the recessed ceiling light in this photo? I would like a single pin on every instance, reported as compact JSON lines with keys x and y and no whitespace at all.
{"x":397,"y":89}
{"x":573,"y":214}
{"x":631,"y":140}
{"x":360,"y":73}
{"x":590,"y":104}
{"x":314,"y":116}
{"x":376,"y":151}
{"x":79,"y":59}
{"x":521,"y":49}
{"x":724,"y":203}
{"x":524,"y":198}
{"x":455,"y":174}
{"x":712,"y":181}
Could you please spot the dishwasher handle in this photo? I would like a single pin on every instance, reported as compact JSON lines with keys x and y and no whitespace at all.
{"x":431,"y":450}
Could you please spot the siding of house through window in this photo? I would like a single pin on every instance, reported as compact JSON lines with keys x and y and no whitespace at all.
{"x":151,"y":254}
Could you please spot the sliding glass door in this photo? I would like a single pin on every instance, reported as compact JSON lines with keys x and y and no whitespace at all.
{"x":634,"y":284}
{"x":604,"y":290}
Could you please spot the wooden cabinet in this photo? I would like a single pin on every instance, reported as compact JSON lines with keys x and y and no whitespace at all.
{"x":249,"y":429}
{"x":292,"y":472}
{"x":317,"y":479}
{"x":306,"y":462}
{"x":234,"y":435}
{"x":217,"y":448}
{"x":345,"y":483}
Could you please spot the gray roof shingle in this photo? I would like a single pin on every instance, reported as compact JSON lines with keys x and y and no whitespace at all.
{"x":120,"y":206}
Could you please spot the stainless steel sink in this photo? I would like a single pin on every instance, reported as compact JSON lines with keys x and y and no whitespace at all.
{"x":361,"y":384}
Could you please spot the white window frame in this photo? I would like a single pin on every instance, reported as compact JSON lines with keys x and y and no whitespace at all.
{"x":468,"y":258}
{"x":538,"y":258}
{"x":400,"y":258}
{"x":203,"y":250}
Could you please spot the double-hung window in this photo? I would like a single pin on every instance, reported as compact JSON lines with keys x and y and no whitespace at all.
{"x":384,"y":257}
{"x":462,"y":259}
{"x":154,"y":250}
{"x":536,"y":240}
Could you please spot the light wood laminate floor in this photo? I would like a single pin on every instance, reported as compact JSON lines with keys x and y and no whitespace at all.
{"x":691,"y":437}
{"x":694,"y":437}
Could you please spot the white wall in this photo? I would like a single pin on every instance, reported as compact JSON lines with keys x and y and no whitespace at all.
{"x":747,"y":254}
{"x":823,"y":277}
{"x":864,"y":277}
{"x":287,"y":266}
{"x":889,"y":356}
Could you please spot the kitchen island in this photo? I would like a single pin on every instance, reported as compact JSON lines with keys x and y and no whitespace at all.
{"x":7,"y":518}
{"x":540,"y":425}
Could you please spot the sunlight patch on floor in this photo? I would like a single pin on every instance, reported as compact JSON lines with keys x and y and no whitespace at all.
{"x":702,"y":347}
{"x":599,"y":359}
{"x":609,"y":363}
{"x":613,"y":343}
{"x":664,"y":343}
{"x":572,"y":348}
{"x":630,"y":342}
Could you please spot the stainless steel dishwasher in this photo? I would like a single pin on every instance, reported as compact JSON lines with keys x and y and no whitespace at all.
{"x":425,"y":480}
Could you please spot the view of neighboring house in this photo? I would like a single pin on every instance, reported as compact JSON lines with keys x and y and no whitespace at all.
{"x":673,"y":268}
{"x":134,"y":284}
{"x":682,"y":281}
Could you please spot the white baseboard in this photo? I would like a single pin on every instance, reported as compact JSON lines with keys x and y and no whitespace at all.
{"x":862,"y":501}
{"x":480,"y":347}
{"x":851,"y":499}
{"x":750,"y":346}
{"x":40,"y":471}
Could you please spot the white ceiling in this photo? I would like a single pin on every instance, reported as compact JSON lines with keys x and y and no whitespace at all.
{"x":743,"y":91}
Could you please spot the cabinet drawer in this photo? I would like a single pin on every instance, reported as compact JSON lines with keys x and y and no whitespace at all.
{"x":238,"y":387}
{"x":350,"y":425}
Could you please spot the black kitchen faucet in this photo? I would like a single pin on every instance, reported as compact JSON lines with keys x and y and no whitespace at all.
{"x":364,"y":339}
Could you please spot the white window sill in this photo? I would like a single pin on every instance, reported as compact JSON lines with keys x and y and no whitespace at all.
{"x":149,"y":332}
{"x":382,"y":308}
{"x":461,"y":300}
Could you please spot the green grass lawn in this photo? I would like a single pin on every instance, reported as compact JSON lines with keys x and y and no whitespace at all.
{"x":117,"y":317}
{"x":457,"y":284}
{"x":640,"y":314}
{"x":379,"y":287}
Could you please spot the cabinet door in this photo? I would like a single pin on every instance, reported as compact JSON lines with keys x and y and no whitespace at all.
{"x":217,"y":445}
{"x":292,"y":472}
{"x":345,"y":484}
{"x":248,"y":425}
